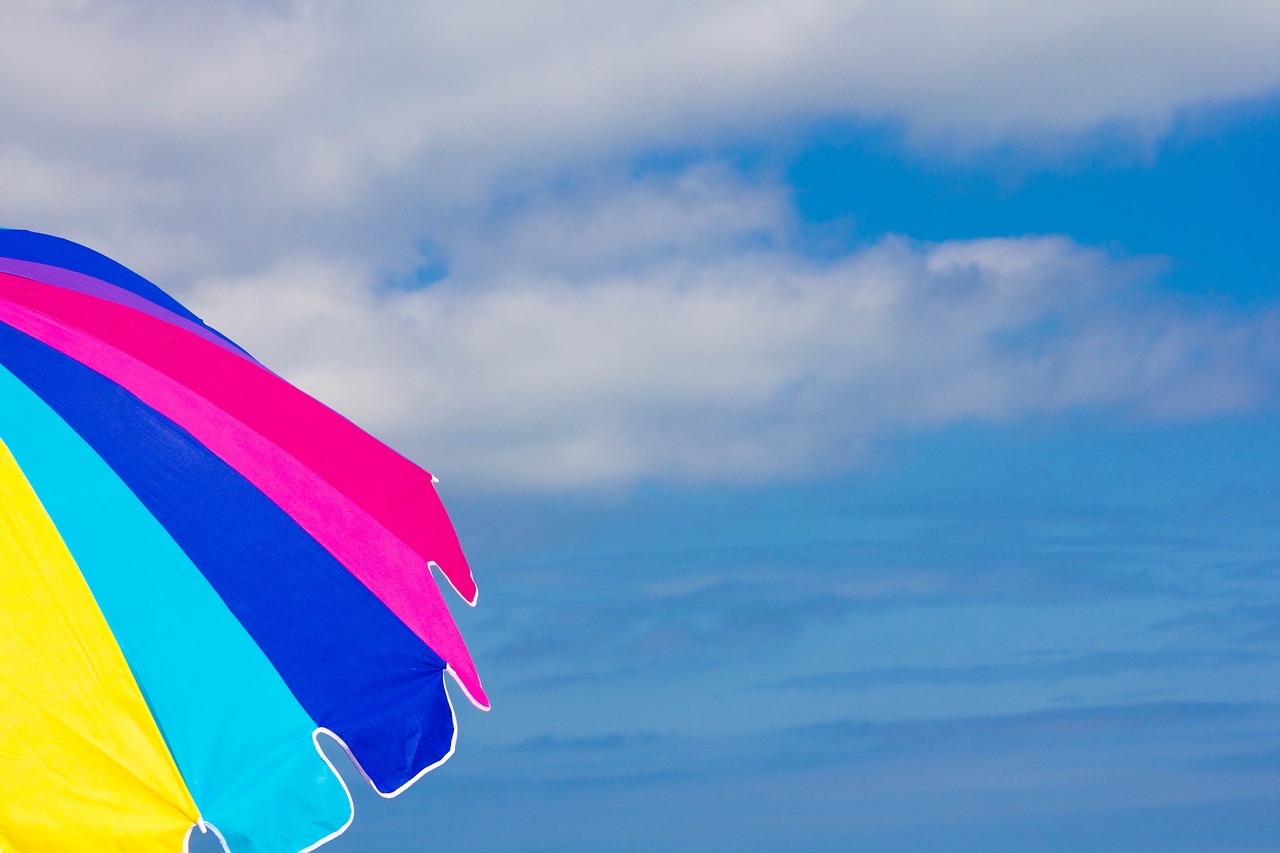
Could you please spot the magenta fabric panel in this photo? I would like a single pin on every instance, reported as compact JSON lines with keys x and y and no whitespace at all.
{"x":105,"y":290}
{"x":394,"y":490}
{"x":225,"y":402}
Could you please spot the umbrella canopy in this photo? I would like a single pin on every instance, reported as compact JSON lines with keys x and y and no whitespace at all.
{"x":201,"y":567}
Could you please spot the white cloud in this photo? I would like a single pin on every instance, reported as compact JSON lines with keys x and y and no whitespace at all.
{"x":280,"y":161}
{"x":244,"y":132}
{"x":735,"y":364}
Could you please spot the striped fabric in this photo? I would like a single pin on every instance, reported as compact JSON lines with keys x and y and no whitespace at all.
{"x":201,"y":567}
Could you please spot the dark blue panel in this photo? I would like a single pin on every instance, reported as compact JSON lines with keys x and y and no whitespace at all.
{"x":352,"y":664}
{"x":57,"y":252}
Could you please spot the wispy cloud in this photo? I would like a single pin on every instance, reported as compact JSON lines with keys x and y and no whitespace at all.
{"x":1047,"y":668}
{"x":1167,"y":776}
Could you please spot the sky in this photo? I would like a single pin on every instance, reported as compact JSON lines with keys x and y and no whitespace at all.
{"x":860,"y":416}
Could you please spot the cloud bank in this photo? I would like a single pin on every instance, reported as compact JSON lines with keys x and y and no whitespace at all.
{"x":191,"y":136}
{"x":668,"y":332}
{"x":430,"y":215}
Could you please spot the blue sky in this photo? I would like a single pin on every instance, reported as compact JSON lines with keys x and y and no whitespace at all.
{"x":861,"y":423}
{"x":1057,"y":632}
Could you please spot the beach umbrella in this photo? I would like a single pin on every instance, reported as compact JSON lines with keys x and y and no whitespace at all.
{"x":201,"y":569}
